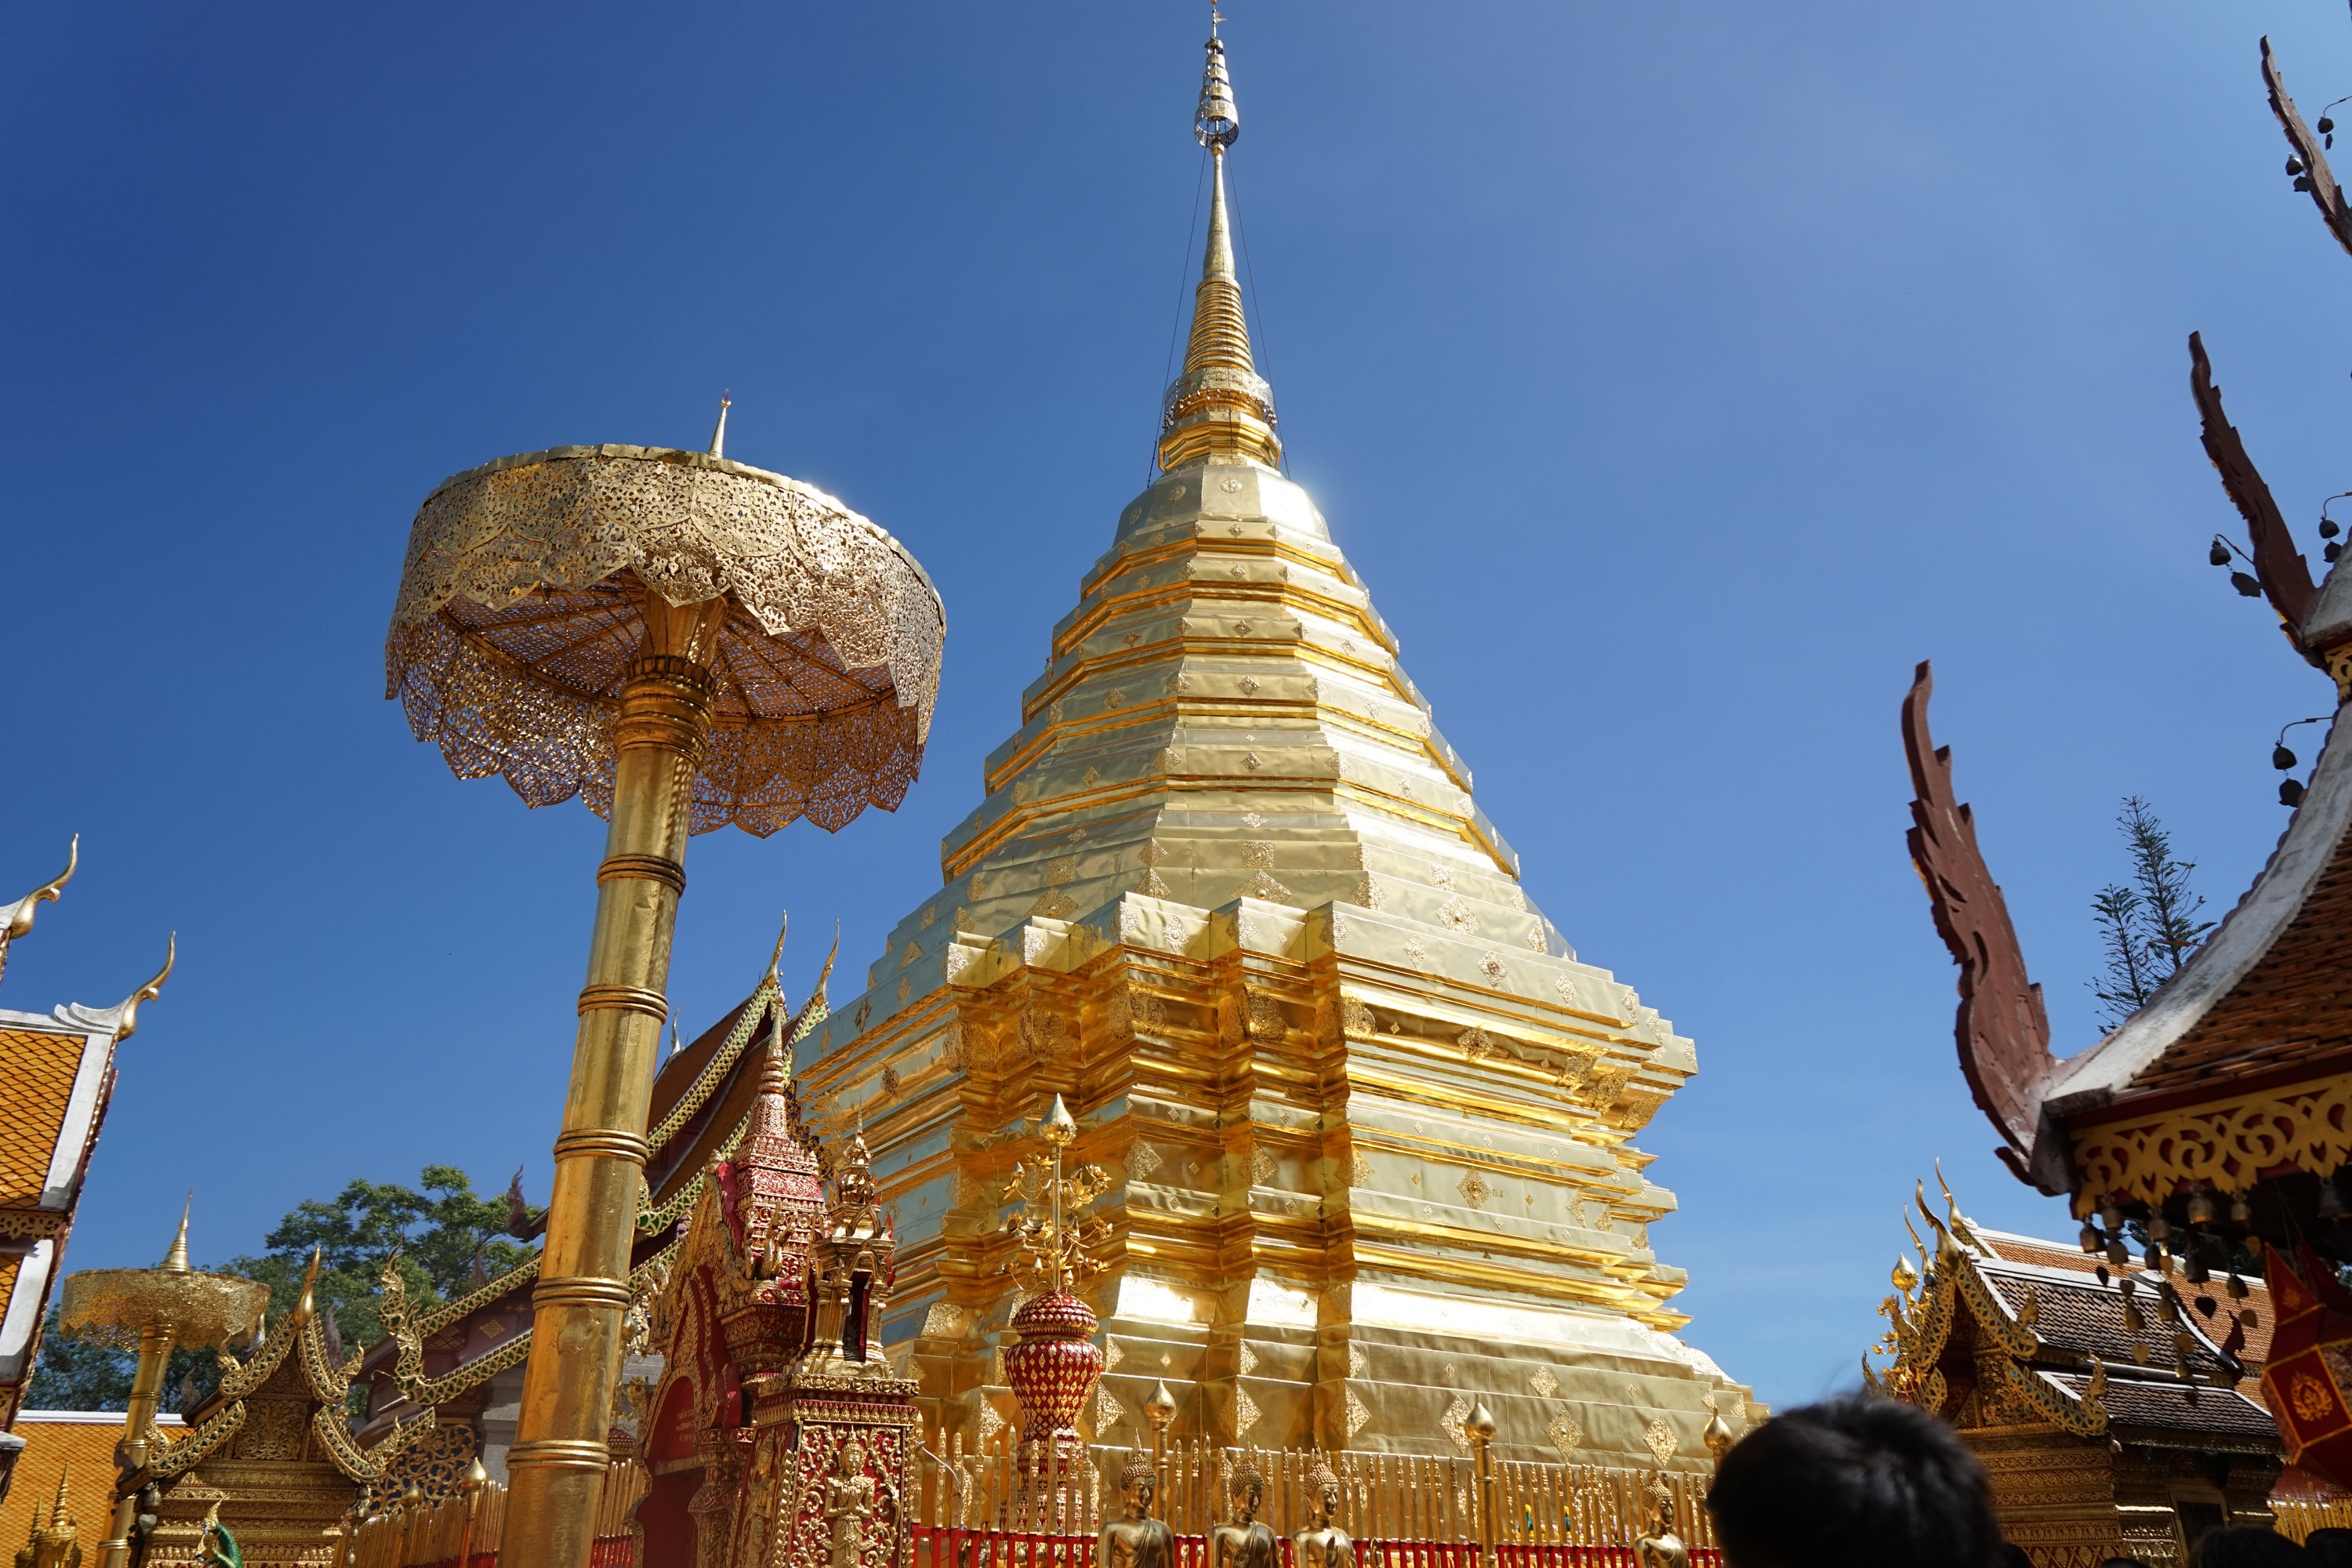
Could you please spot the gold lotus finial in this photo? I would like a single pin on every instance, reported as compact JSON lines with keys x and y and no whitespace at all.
{"x":1906,"y":1278}
{"x":175,"y":1261}
{"x":1220,"y":406}
{"x":1059,"y":1127}
{"x":719,"y":435}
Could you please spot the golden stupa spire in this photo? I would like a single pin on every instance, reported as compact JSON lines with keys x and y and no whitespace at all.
{"x":1220,"y":406}
{"x":176,"y":1260}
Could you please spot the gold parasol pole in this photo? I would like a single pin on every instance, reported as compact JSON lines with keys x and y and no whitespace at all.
{"x":556,"y":1466}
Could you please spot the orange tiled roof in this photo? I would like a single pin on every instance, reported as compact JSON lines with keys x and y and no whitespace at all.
{"x":39,"y":1066}
{"x":80,"y":1444}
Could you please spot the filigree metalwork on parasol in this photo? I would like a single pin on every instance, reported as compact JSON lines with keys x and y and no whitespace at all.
{"x":520,"y":604}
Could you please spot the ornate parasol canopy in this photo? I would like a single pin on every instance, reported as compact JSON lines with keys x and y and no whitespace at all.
{"x":522,"y":600}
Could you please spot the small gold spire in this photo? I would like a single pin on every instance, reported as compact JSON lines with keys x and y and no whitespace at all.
{"x":176,"y":1260}
{"x":57,"y":1508}
{"x":1220,"y":406}
{"x":719,"y":435}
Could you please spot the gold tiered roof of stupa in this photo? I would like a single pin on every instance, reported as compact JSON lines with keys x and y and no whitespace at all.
{"x":1229,"y":893}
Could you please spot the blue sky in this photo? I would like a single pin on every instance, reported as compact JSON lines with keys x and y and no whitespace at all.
{"x":1677,"y":375}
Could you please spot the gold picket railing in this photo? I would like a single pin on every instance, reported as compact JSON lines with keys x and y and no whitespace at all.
{"x":464,"y":1529}
{"x":2298,"y":1517}
{"x":1003,"y":1485}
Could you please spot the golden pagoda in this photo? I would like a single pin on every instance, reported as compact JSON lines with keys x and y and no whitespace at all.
{"x":1366,"y":1117}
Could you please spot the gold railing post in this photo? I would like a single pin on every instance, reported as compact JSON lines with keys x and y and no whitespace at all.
{"x":556,"y":1466}
{"x":1159,"y":1410}
{"x":1479,"y":1427}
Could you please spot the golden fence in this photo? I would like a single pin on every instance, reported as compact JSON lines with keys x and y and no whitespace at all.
{"x":2297,"y":1518}
{"x":464,"y":1529}
{"x":1406,"y":1500}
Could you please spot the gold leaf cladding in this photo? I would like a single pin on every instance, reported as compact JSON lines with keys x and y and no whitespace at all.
{"x":1264,"y":1017}
{"x":1544,"y":1383}
{"x":1659,"y":1440}
{"x":1264,"y":1168}
{"x":1358,"y":1363}
{"x":1257,"y":852}
{"x":1054,"y":905}
{"x":1113,"y":1353}
{"x":1245,"y":1358}
{"x":1108,"y":1410}
{"x":1565,"y":1436}
{"x":1536,"y":940}
{"x":1142,"y":1161}
{"x":1355,"y":1016}
{"x":1475,"y":1044}
{"x":1360,"y":1170}
{"x":1455,"y":1414}
{"x":1414,"y":954}
{"x":1061,"y":870}
{"x":1357,"y":1417}
{"x":1455,"y":914}
{"x":1442,"y":878}
{"x":1474,"y":1189}
{"x":1246,"y":1412}
{"x":944,"y":1322}
{"x":1492,"y":967}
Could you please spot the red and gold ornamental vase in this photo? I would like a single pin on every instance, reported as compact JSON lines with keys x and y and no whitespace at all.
{"x":1054,"y":1367}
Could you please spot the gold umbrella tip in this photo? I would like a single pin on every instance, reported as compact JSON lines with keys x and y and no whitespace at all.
{"x":175,"y":1261}
{"x":718,"y":437}
{"x":1480,"y":1423}
{"x":1060,"y":1127}
{"x":1161,"y":1406}
{"x":477,"y":1477}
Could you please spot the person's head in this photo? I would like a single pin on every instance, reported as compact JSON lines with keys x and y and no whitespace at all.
{"x":2330,"y":1547}
{"x":1853,"y":1482}
{"x":2247,"y":1546}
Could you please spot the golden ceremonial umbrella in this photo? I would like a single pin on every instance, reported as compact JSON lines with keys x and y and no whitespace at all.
{"x":686,"y":642}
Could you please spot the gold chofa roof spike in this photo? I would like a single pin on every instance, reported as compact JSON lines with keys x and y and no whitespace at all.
{"x":1220,"y":407}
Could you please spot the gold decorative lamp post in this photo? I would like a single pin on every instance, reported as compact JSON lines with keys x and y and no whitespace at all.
{"x":149,"y":1310}
{"x":686,"y":642}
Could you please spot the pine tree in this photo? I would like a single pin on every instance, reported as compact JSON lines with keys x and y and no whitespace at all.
{"x":2147,"y":928}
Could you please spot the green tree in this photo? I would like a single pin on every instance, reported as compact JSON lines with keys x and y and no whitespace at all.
{"x":2147,"y":928}
{"x":439,"y":1228}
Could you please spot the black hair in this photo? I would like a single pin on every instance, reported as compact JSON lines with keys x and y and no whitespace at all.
{"x":2248,"y":1546}
{"x":1853,"y":1482}
{"x":2330,"y":1546}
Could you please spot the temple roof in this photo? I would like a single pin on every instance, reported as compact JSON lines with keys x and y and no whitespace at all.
{"x":57,"y":1074}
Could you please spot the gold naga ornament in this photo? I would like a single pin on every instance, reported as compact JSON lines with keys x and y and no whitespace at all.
{"x":683,"y":641}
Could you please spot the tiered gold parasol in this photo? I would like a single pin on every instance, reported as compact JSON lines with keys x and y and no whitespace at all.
{"x":686,"y":642}
{"x":149,"y":1310}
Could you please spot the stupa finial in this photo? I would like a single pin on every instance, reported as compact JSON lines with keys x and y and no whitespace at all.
{"x":176,"y":1260}
{"x":1220,"y":406}
{"x":719,"y":435}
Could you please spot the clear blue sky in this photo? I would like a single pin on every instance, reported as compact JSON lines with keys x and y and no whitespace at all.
{"x":1677,"y":374}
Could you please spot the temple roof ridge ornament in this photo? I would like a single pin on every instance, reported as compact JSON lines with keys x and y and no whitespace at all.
{"x":1220,"y":408}
{"x":16,"y":919}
